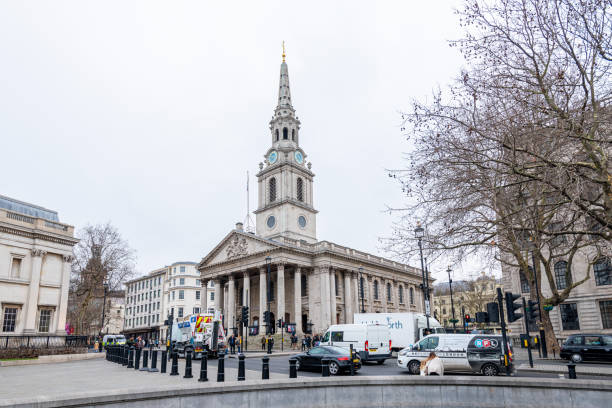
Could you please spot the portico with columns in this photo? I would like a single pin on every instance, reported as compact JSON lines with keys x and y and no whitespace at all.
{"x":312,"y":283}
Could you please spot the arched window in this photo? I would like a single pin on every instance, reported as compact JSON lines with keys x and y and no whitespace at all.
{"x":603,"y":272}
{"x":285,"y":133}
{"x":524,"y":282}
{"x":300,"y":189}
{"x":277,"y":135}
{"x":272,"y":189}
{"x":293,"y":134}
{"x":411,"y":296}
{"x":401,"y":294}
{"x":560,"y":275}
{"x":376,"y":289}
{"x":304,"y":285}
{"x":388,"y":292}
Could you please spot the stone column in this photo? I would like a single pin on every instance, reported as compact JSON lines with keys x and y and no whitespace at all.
{"x":217,"y":290}
{"x":356,"y":293}
{"x":348,"y":299}
{"x":231,"y":302}
{"x":33,"y":290}
{"x":332,"y":296}
{"x":396,"y":297}
{"x":262,"y":299}
{"x":370,"y":282}
{"x":314,"y":307}
{"x":325,"y":301}
{"x":297,"y":304}
{"x":63,"y":304}
{"x":280,"y":291}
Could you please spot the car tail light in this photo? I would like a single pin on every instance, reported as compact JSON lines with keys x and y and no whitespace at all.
{"x":389,"y":344}
{"x":343,"y":358}
{"x":366,"y":345}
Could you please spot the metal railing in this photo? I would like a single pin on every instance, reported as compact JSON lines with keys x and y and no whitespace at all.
{"x":41,"y":342}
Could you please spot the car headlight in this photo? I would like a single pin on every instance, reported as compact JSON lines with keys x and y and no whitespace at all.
{"x":403,"y":352}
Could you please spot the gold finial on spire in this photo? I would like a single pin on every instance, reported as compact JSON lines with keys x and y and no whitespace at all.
{"x":283,"y":51}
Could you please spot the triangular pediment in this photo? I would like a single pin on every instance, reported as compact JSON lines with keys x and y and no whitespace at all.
{"x":237,"y":245}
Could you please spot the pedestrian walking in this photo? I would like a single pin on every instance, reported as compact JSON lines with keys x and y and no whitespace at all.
{"x":239,"y":344}
{"x":232,"y":344}
{"x":263,"y":343}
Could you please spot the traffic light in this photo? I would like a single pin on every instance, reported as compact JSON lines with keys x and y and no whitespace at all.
{"x":511,"y":307}
{"x":466,"y":319}
{"x":493,"y":312}
{"x":482,"y":317}
{"x":533,"y":310}
{"x":279,"y":323}
{"x":267,"y":322}
{"x":245,"y":315}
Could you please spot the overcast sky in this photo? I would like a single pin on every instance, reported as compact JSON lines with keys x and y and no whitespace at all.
{"x":149,"y":114}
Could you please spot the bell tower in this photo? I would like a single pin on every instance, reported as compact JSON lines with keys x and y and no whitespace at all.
{"x":285,"y":181}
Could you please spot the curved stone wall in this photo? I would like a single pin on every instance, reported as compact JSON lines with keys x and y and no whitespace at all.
{"x":349,"y":392}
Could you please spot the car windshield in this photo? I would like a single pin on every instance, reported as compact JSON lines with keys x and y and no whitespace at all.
{"x":336,"y":350}
{"x":440,"y":330}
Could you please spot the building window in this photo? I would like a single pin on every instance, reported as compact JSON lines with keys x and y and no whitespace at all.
{"x":198,"y":282}
{"x":44,"y":320}
{"x":376,"y":290}
{"x":197,"y":295}
{"x":212,"y":296}
{"x":212,"y":283}
{"x":336,"y":284}
{"x":293,"y":134}
{"x":524,"y":283}
{"x":196,"y":310}
{"x":182,"y":269}
{"x":605,"y":307}
{"x":304,"y":285}
{"x":569,"y":316}
{"x":16,"y":267}
{"x":285,"y":134}
{"x":300,"y":189}
{"x":9,"y":319}
{"x":181,"y":294}
{"x":411,"y":296}
{"x":388,"y":292}
{"x":272,"y":189}
{"x":603,"y":272}
{"x":560,"y":275}
{"x":172,"y":295}
{"x":401,"y":294}
{"x":276,"y":135}
{"x":181,"y":281}
{"x":180,"y":312}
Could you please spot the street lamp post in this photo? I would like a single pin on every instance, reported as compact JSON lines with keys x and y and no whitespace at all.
{"x":419,"y":232}
{"x":450,"y":284}
{"x":361,"y":288}
{"x":268,"y":264}
{"x":103,"y":308}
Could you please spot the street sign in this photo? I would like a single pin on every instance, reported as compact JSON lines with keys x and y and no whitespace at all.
{"x":427,"y":309}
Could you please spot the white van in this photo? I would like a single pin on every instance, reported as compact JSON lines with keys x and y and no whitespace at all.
{"x":477,"y":353}
{"x":371,"y":341}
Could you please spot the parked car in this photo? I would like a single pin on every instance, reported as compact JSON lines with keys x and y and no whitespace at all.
{"x":340,"y":359}
{"x":587,"y":347}
{"x":476,"y":353}
{"x":371,"y":341}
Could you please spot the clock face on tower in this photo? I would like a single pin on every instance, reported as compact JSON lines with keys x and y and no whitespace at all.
{"x":273,"y":157}
{"x":299,"y":157}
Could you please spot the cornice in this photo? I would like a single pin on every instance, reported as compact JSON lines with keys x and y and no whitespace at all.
{"x":38,"y":234}
{"x":280,"y":164}
{"x":286,"y":201}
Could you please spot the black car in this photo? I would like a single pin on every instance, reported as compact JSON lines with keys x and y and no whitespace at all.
{"x":339,"y":359}
{"x":587,"y":347}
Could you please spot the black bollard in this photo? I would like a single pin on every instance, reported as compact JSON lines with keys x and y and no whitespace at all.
{"x":125,"y":351}
{"x":174,"y":369}
{"x":265,"y":368}
{"x":204,"y":367}
{"x":325,"y":367}
{"x":153,"y":368}
{"x":111,"y":351}
{"x":293,"y":367}
{"x":351,"y":356}
{"x":131,"y":357}
{"x":163,"y":361}
{"x":571,"y":368}
{"x":221,"y":369}
{"x":188,"y":365}
{"x":137,"y":361}
{"x":145,"y":360}
{"x":241,"y":370}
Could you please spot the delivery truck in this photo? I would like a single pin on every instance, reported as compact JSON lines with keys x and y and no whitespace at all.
{"x":198,"y":333}
{"x":405,"y":328}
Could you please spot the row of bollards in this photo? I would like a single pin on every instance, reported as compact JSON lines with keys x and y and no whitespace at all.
{"x":131,"y":358}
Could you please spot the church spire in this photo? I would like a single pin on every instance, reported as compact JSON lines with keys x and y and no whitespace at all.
{"x":284,"y":92}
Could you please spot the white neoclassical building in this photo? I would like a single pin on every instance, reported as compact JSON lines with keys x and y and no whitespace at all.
{"x":35,"y":263}
{"x":312,"y":283}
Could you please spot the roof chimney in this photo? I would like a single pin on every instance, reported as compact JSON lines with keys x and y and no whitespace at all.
{"x":239,"y":226}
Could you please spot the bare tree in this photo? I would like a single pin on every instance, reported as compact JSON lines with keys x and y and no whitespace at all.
{"x":101,"y":257}
{"x":511,"y":163}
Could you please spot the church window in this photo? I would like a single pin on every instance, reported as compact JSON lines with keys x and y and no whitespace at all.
{"x":300,"y":189}
{"x":376,"y":290}
{"x":272,"y":189}
{"x":277,"y":135}
{"x":293,"y":134}
{"x":285,"y":133}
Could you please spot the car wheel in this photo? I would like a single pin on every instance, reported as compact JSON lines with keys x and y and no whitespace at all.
{"x":576,"y":358}
{"x":381,"y":362}
{"x":297,"y":365}
{"x":334,"y":368}
{"x":414,"y":367}
{"x":490,"y":370}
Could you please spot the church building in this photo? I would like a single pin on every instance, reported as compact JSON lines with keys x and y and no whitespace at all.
{"x":312,"y":283}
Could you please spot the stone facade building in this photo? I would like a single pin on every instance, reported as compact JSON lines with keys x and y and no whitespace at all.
{"x":35,"y":263}
{"x":312,"y":283}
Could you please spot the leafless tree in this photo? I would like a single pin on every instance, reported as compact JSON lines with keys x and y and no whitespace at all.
{"x":101,"y":257}
{"x":511,"y":163}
